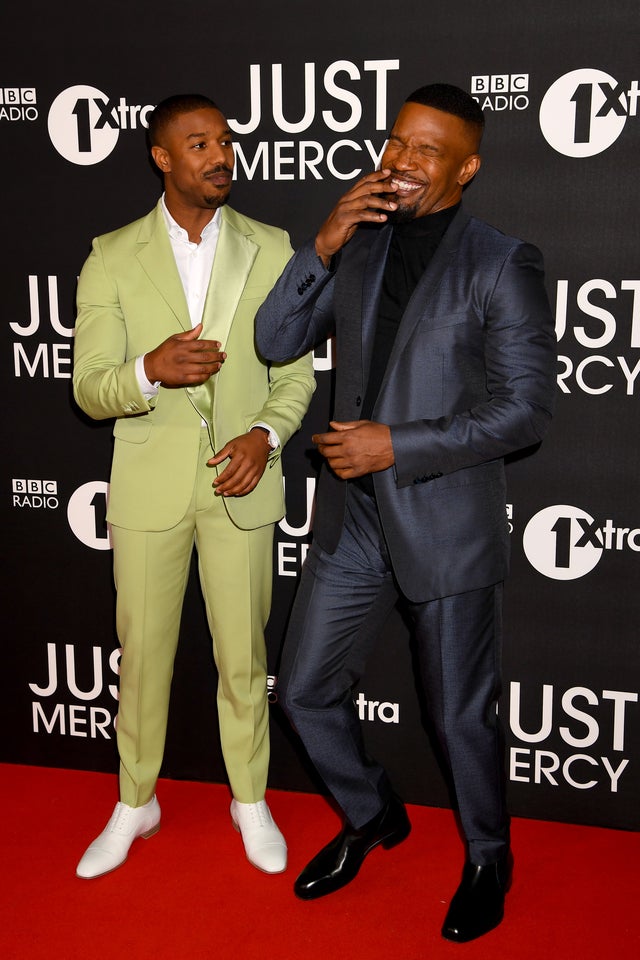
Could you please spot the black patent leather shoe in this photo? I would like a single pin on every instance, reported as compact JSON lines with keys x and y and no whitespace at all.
{"x":338,"y":863}
{"x":478,"y":903}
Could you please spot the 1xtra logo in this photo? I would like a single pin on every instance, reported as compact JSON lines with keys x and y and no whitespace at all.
{"x":84,"y":123}
{"x":565,"y":543}
{"x":87,"y":512}
{"x":585,"y":111}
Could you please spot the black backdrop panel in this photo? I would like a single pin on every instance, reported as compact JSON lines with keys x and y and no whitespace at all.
{"x":310,"y":91}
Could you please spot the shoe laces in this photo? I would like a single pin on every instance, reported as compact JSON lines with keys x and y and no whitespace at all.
{"x":121,"y":818}
{"x":260,"y":814}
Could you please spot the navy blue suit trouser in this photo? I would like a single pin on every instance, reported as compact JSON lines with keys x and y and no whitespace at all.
{"x":342,"y":601}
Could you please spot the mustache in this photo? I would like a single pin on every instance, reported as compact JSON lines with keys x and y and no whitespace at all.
{"x":219,"y":168}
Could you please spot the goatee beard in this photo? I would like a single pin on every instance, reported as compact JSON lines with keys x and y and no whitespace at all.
{"x":401,"y":215}
{"x":215,"y":202}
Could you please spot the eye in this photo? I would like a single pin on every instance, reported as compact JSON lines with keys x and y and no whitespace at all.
{"x":200,"y":145}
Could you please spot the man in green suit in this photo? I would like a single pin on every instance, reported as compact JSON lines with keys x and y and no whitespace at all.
{"x":165,"y":345}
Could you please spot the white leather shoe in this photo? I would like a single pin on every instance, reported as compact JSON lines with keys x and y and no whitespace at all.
{"x":110,"y":849}
{"x":263,"y":843}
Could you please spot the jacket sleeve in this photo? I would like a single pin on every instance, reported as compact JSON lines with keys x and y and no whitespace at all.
{"x":104,"y":380}
{"x":291,"y":383}
{"x":297,"y":314}
{"x":291,"y":387}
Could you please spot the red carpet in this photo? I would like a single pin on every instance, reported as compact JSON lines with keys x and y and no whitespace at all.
{"x":189,"y":893}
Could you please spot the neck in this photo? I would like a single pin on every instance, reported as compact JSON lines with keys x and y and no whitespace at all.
{"x":191,"y":219}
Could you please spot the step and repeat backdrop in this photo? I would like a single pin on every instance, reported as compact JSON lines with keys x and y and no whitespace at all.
{"x":310,"y":91}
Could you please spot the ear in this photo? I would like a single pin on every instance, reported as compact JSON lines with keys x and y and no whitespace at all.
{"x":161,"y":159}
{"x":469,"y":168}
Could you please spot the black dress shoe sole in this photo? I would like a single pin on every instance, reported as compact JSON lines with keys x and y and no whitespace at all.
{"x":466,"y":936}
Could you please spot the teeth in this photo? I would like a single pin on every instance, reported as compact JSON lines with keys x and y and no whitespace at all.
{"x":405,"y":184}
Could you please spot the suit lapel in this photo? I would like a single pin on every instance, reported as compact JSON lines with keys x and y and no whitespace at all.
{"x":235,"y":255}
{"x":371,"y":287}
{"x":234,"y":258}
{"x":156,"y":259}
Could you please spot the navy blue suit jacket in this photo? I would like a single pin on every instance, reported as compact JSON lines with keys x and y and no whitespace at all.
{"x":471,"y":378}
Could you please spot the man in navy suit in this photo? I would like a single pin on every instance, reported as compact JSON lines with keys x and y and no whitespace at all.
{"x":446,"y":363}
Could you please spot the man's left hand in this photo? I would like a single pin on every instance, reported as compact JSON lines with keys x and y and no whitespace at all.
{"x":247,"y":456}
{"x":355,"y":448}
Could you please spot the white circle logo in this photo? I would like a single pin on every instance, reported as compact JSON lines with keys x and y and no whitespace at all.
{"x":83,"y":125}
{"x":87,"y":513}
{"x":583,"y":113}
{"x":562,"y":542}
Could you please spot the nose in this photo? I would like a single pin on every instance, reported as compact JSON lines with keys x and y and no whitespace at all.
{"x":216,"y":153}
{"x":404,"y":159}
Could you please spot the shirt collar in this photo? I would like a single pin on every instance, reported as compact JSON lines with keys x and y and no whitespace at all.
{"x":176,"y":232}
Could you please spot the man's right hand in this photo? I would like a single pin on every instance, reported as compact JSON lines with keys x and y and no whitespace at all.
{"x":363,"y":203}
{"x":183,"y":360}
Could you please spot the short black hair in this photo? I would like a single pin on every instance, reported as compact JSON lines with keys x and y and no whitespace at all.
{"x":167,"y":110}
{"x":450,"y":99}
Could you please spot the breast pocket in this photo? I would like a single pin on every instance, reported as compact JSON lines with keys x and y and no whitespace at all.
{"x":443,"y":321}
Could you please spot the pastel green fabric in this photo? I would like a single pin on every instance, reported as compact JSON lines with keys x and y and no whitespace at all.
{"x":161,"y":501}
{"x":130,"y":299}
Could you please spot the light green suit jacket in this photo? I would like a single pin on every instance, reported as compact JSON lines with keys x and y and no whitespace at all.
{"x":130,"y":299}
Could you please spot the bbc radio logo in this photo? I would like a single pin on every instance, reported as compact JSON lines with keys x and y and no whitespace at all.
{"x":84,"y":123}
{"x":18,"y":103}
{"x":501,"y":91}
{"x":565,"y":543}
{"x":585,"y":111}
{"x":35,"y":494}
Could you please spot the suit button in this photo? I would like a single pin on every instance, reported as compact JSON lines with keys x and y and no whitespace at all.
{"x":306,"y":283}
{"x":358,"y":401}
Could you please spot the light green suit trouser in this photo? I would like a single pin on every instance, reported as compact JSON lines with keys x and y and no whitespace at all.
{"x":151,"y":571}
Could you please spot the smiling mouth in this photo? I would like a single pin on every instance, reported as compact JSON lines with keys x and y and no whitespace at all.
{"x":405,"y":186}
